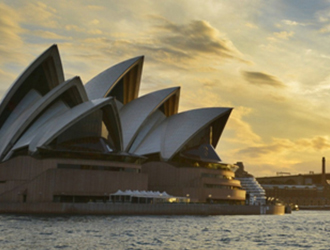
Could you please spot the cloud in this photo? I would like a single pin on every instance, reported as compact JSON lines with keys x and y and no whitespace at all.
{"x":95,"y":7}
{"x":83,"y":31}
{"x":155,"y":52}
{"x":206,"y":97}
{"x":316,"y":143}
{"x":283,"y":34}
{"x":293,"y":23}
{"x":251,"y":25}
{"x":194,"y":39}
{"x":95,"y":32}
{"x":281,"y":154}
{"x":262,"y":79}
{"x":323,"y":16}
{"x":9,"y":27}
{"x":95,"y":22}
{"x":208,"y":82}
{"x":10,"y":33}
{"x":325,"y":29}
{"x":50,"y":35}
{"x":188,"y":46}
{"x":242,"y":132}
{"x":324,"y":19}
{"x":238,"y":134}
{"x":317,"y":90}
{"x":108,"y":46}
{"x":274,"y":148}
{"x":5,"y":76}
{"x":285,"y":146}
{"x":72,"y":27}
{"x":40,"y":14}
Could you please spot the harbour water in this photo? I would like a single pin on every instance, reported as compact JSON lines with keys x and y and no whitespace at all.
{"x":299,"y":230}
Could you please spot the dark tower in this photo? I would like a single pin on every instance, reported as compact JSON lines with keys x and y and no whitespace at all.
{"x":323,"y":180}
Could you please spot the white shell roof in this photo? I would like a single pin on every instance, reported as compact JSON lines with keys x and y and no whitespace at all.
{"x":54,"y":127}
{"x":174,"y":132}
{"x":34,"y":115}
{"x":152,"y":122}
{"x":19,"y":126}
{"x":52,"y":53}
{"x":100,"y":85}
{"x":55,"y":110}
{"x":25,"y":103}
{"x":136,"y":112}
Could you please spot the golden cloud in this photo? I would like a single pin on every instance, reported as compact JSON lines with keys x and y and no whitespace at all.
{"x":251,"y":25}
{"x":293,"y":23}
{"x":284,"y":146}
{"x":283,"y":34}
{"x":282,"y":154}
{"x":50,"y":35}
{"x":316,"y":143}
{"x":95,"y":22}
{"x":95,"y":32}
{"x":257,"y":151}
{"x":40,"y":14}
{"x":71,"y":27}
{"x":9,"y":27}
{"x":242,"y":132}
{"x":5,"y":76}
{"x":195,"y":39}
{"x":95,"y":7}
{"x":10,"y":33}
{"x":262,"y":79}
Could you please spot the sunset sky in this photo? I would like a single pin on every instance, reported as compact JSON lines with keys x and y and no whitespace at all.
{"x":269,"y":60}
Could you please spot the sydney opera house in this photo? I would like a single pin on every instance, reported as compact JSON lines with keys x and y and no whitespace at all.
{"x":63,"y":141}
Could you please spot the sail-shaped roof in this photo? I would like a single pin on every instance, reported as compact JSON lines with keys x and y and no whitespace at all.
{"x":135,"y":114}
{"x":39,"y":112}
{"x":39,"y":78}
{"x":121,"y":81}
{"x":176,"y":131}
{"x":54,"y":127}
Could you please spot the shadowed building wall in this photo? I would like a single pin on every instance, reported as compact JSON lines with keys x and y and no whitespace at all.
{"x":26,"y":179}
{"x":200,"y":184}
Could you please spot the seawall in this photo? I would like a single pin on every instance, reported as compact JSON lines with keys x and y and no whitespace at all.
{"x":138,"y":209}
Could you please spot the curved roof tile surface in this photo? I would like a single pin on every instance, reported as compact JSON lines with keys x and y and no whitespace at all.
{"x":174,"y":132}
{"x":101,"y":85}
{"x":45,"y":70}
{"x":54,"y":127}
{"x":42,"y":106}
{"x":134,"y":114}
{"x":39,"y":107}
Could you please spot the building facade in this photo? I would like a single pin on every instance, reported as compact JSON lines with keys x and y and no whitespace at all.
{"x":305,"y":190}
{"x":62,"y":141}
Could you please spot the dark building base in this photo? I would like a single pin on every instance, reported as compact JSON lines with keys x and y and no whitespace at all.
{"x":138,"y":209}
{"x":326,"y":207}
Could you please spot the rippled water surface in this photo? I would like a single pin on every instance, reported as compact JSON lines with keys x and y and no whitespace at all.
{"x":299,"y":230}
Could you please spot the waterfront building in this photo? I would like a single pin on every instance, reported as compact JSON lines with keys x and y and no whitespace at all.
{"x":255,"y":193}
{"x":305,"y":190}
{"x":62,"y":141}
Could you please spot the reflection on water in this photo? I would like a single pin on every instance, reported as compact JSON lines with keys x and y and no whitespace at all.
{"x":302,"y":229}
